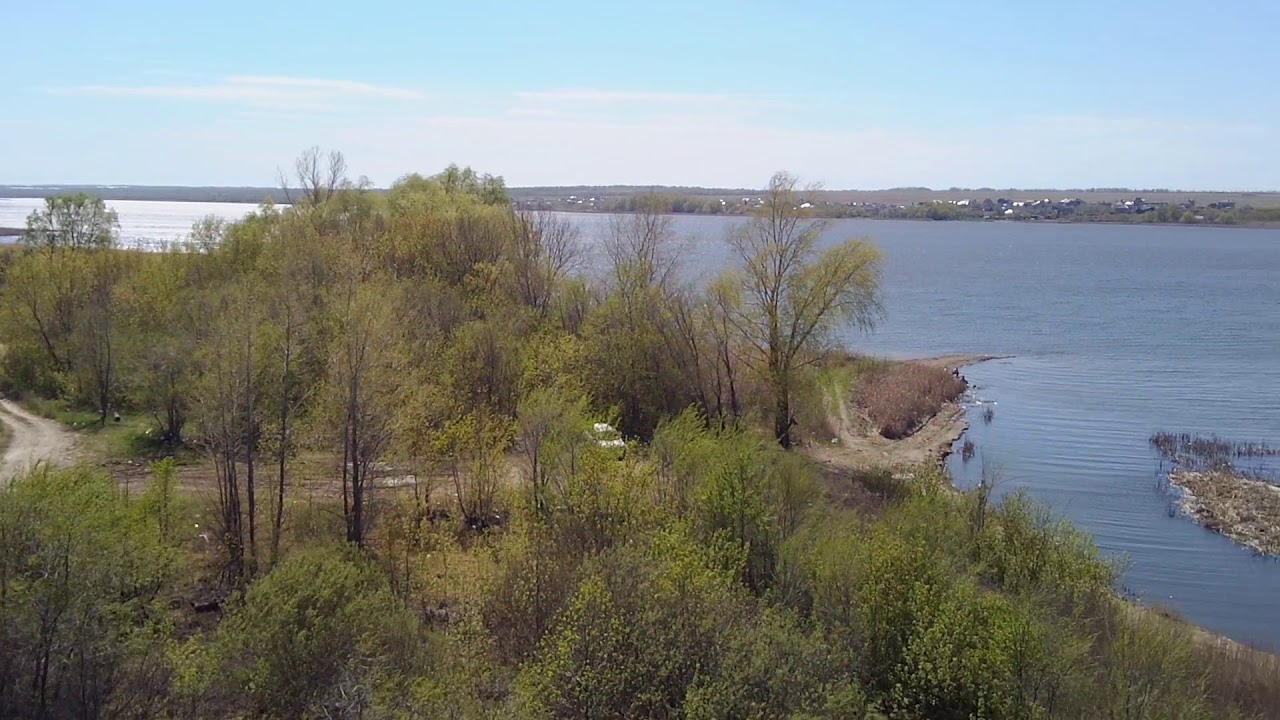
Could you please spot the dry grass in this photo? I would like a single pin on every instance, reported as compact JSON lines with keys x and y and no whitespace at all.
{"x":1243,"y":509}
{"x":1240,"y":677}
{"x":899,"y":398}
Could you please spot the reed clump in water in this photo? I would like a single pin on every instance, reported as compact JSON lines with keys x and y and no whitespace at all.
{"x":1208,"y":452}
{"x":1240,"y":503}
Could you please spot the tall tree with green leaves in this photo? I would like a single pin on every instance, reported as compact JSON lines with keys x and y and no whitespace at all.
{"x":228,"y":411}
{"x":797,"y":294}
{"x":98,"y":338}
{"x":72,"y":221}
{"x":361,"y":394}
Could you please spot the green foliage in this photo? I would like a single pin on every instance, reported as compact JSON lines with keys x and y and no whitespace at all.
{"x":915,"y":592}
{"x":75,"y":222}
{"x":1149,"y":670}
{"x":776,"y":667}
{"x":159,"y":502}
{"x":1022,"y":550}
{"x":731,"y":506}
{"x":320,"y":634}
{"x":82,"y":620}
{"x":582,"y":666}
{"x":794,"y":296}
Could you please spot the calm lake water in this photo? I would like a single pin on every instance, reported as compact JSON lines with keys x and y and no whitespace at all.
{"x":1115,"y":332}
{"x":143,"y":224}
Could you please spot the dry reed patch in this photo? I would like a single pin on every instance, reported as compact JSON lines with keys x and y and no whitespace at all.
{"x":1243,"y":509}
{"x":900,"y":397}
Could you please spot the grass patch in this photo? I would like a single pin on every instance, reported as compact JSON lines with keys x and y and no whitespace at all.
{"x":899,"y":397}
{"x":133,"y":437}
{"x":63,"y":412}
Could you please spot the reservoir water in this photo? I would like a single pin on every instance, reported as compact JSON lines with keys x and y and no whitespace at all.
{"x":143,"y":224}
{"x":1115,"y":332}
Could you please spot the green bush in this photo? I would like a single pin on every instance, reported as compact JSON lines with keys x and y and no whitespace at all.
{"x":322,"y":634}
{"x":82,"y":619}
{"x":1021,"y":549}
{"x":773,"y":667}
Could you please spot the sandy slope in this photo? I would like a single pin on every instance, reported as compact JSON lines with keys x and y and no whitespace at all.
{"x":32,"y":440}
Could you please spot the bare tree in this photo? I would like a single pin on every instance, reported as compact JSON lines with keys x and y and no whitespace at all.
{"x":642,"y":246}
{"x":97,"y":334}
{"x":720,"y":306}
{"x":543,"y":250}
{"x":290,"y":397}
{"x":553,"y":431}
{"x":317,"y":175}
{"x":796,"y":295}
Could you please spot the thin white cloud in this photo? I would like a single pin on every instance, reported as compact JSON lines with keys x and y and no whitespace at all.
{"x":257,"y":91}
{"x":620,"y":148}
{"x":609,"y":97}
{"x":623,"y":136}
{"x":337,"y":86}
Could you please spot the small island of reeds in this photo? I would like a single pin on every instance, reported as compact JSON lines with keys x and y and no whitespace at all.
{"x":1227,"y":486}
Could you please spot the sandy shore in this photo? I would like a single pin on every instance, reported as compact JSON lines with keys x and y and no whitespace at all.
{"x":1243,"y":509}
{"x":949,"y":425}
{"x":951,"y":362}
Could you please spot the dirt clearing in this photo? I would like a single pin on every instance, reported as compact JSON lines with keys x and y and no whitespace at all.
{"x":32,"y":440}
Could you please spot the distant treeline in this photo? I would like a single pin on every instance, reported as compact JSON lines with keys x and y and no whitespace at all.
{"x":1089,"y":205}
{"x":253,"y":195}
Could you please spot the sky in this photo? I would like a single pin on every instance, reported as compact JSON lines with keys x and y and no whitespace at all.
{"x":853,"y":95}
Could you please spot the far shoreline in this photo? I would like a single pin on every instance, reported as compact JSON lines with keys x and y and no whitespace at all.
{"x":1254,"y":225}
{"x":1265,"y":225}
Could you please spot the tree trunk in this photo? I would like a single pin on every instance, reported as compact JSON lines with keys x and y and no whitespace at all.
{"x":346,"y":478}
{"x":286,"y":400}
{"x":252,"y":493}
{"x":277,"y":523}
{"x":250,"y":455}
{"x":782,"y":416}
{"x":232,"y":521}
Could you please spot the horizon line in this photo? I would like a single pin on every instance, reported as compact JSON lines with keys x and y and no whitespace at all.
{"x":654,"y":187}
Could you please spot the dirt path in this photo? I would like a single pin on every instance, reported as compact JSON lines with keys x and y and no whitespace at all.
{"x":32,"y":440}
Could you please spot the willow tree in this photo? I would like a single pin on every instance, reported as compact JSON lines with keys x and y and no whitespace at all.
{"x":797,"y":294}
{"x":76,"y":222}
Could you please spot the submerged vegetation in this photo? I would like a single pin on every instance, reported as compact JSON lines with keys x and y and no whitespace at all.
{"x":395,"y":500}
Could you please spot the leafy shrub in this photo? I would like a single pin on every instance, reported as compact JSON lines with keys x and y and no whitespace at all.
{"x":320,"y":635}
{"x":82,"y":622}
{"x":776,"y":666}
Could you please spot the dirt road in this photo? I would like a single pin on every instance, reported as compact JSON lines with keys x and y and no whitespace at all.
{"x":32,"y":440}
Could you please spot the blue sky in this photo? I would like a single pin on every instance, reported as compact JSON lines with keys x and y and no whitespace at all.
{"x":855,"y":95}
